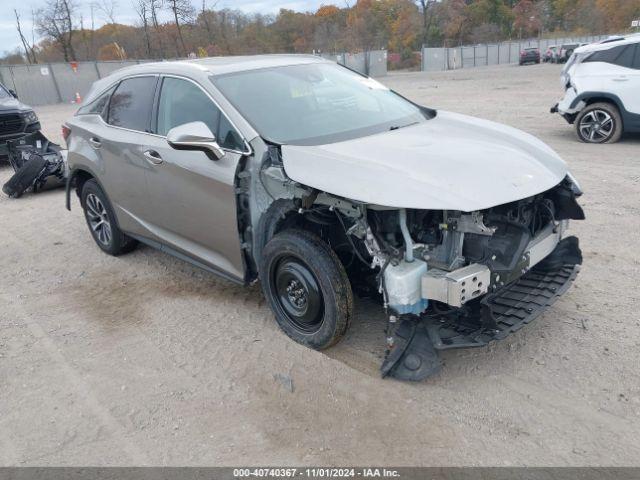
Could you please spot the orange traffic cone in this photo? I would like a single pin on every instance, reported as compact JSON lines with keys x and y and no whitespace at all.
{"x":78,"y":98}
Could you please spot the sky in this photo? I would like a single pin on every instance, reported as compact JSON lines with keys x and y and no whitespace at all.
{"x":9,"y":39}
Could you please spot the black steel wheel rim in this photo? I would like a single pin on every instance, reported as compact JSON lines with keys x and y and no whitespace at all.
{"x":297,"y":293}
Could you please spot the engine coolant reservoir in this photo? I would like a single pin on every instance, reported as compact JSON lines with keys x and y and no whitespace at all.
{"x":403,"y":283}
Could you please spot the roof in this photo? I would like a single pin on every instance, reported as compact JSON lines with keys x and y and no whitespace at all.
{"x":222,"y":65}
{"x":609,"y":43}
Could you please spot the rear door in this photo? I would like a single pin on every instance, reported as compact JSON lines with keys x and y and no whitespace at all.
{"x":119,"y":141}
{"x":618,"y":73}
{"x":191,"y":197}
{"x":631,"y":88}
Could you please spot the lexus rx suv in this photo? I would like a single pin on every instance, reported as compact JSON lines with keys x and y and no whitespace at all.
{"x":320,"y":182}
{"x":16,"y":118}
{"x":602,"y":90}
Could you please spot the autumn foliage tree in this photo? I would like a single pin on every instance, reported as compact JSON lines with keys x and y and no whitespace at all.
{"x":401,"y":26}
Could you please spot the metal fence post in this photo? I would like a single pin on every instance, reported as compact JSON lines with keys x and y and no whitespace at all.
{"x":95,"y":64}
{"x":55,"y":82}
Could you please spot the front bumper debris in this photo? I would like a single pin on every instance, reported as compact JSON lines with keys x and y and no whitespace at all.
{"x":493,"y":317}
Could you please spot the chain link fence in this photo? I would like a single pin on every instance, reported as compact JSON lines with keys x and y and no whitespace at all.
{"x":468,"y":56}
{"x":50,"y":83}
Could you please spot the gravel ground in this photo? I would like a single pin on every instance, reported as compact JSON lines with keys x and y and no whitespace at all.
{"x":144,"y":359}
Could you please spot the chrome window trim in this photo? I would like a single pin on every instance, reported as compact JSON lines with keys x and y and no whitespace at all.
{"x":122,"y":79}
{"x":247,"y":152}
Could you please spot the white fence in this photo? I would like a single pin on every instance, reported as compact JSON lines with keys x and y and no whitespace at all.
{"x":439,"y":59}
{"x":50,"y":83}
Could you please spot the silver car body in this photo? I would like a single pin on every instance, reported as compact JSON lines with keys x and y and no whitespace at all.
{"x":188,"y":204}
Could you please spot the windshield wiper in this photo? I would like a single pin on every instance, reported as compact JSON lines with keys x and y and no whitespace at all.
{"x":396,"y":127}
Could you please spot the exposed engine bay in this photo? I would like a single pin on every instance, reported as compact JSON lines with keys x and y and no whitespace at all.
{"x":446,"y":279}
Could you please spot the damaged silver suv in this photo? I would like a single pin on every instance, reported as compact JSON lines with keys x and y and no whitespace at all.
{"x":321,"y":182}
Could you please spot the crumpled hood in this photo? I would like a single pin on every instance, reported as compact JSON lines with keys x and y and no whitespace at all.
{"x":451,"y":162}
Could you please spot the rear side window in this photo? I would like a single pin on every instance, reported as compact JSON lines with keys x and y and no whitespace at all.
{"x":98,"y":106}
{"x":130,"y":105}
{"x":636,"y":60}
{"x":181,"y":101}
{"x":621,"y":55}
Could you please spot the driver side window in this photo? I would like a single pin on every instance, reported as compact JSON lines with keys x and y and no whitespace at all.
{"x":181,"y":101}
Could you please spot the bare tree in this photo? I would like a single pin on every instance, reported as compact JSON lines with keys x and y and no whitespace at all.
{"x":55,"y":20}
{"x":204,"y":15}
{"x":108,"y":9}
{"x":427,"y":18}
{"x":28,"y":49}
{"x":154,"y":6}
{"x":182,"y":12}
{"x":142,"y":10}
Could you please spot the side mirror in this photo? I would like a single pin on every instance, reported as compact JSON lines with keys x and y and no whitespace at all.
{"x":195,"y":136}
{"x":13,"y":92}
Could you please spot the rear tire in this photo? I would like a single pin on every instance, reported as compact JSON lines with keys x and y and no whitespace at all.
{"x":307,"y":288}
{"x":599,"y":123}
{"x":102,"y":222}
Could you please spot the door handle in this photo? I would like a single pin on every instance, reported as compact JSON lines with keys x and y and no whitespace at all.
{"x":95,"y":142}
{"x":620,"y":79}
{"x":153,"y":156}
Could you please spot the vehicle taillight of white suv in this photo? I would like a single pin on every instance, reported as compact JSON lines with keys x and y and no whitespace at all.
{"x":602,"y":90}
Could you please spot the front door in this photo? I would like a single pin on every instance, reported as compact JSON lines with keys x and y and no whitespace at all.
{"x":191,"y":198}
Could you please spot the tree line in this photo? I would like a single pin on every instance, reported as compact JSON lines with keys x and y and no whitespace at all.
{"x":400,"y":26}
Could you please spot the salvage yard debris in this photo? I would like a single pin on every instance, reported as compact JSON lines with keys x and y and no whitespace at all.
{"x":37,"y":162}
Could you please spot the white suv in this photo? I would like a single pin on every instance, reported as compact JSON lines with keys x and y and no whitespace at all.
{"x":602,"y":90}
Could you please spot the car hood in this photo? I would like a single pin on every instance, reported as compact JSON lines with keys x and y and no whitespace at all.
{"x":451,"y":162}
{"x":11,"y":104}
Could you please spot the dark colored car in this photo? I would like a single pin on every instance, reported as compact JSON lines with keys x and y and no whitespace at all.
{"x":530,"y":55}
{"x":16,"y":118}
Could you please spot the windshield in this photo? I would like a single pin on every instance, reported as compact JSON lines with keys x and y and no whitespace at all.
{"x":315,"y":104}
{"x":4,"y":93}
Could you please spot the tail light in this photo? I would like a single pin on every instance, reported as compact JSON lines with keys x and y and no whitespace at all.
{"x":521,"y":52}
{"x":66,"y":131}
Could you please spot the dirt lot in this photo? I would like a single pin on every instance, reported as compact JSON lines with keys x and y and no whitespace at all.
{"x":144,"y":359}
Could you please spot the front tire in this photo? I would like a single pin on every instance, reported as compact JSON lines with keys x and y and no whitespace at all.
{"x":599,"y":123}
{"x":102,"y":222}
{"x":307,"y":288}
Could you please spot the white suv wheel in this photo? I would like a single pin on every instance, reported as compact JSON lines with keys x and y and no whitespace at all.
{"x":599,"y":123}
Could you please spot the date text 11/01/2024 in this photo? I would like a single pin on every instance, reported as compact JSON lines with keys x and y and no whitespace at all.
{"x":316,"y":472}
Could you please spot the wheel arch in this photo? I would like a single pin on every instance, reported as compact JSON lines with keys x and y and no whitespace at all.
{"x":630,"y":121}
{"x":76,"y":180}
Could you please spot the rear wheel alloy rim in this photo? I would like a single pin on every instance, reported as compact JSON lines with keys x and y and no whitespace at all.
{"x":596,"y":126}
{"x":297,"y":294}
{"x":98,"y":219}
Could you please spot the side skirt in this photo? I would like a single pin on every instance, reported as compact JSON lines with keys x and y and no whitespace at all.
{"x":177,"y":254}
